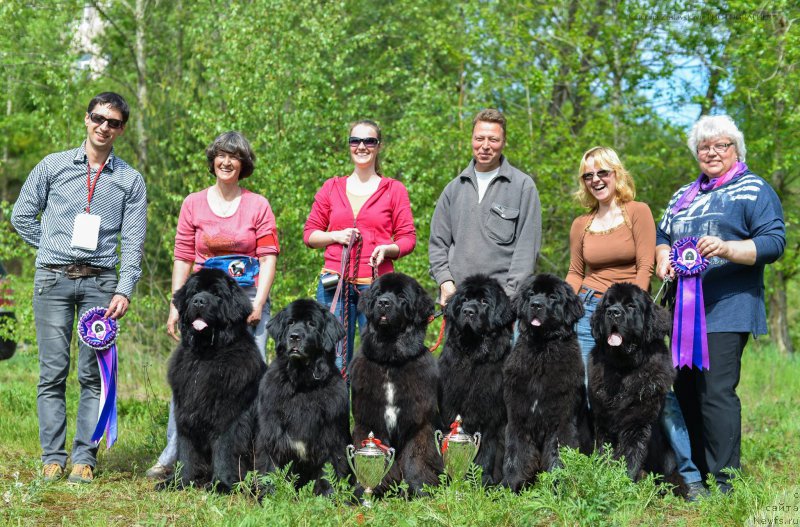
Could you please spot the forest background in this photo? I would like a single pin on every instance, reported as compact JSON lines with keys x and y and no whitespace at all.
{"x":291,"y":75}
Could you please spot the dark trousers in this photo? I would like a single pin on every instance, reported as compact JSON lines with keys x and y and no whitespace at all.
{"x":711,"y":408}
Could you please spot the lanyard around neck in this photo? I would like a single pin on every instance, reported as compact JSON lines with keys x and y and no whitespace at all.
{"x":91,"y":184}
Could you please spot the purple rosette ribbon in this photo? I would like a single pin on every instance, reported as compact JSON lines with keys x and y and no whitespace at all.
{"x":689,"y":339}
{"x":100,"y":334}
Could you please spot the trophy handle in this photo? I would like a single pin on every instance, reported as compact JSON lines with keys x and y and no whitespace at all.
{"x":477,"y":437}
{"x":437,"y":438}
{"x":351,"y":452}
{"x":389,"y":462}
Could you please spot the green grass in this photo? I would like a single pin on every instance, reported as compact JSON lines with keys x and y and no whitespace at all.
{"x":586,"y":491}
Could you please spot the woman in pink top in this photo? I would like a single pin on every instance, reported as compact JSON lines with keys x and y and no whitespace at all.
{"x":368,"y":204}
{"x":221,"y":220}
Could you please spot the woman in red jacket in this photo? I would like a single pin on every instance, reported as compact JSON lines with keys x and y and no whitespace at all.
{"x":373,"y":208}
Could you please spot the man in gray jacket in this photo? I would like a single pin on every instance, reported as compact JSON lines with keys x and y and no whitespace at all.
{"x":488,"y":219}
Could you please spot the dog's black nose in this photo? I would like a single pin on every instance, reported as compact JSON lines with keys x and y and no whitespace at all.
{"x":383,"y":303}
{"x":614,"y":311}
{"x":537,"y":305}
{"x":468,"y":311}
{"x":294,"y":337}
{"x":198,"y":302}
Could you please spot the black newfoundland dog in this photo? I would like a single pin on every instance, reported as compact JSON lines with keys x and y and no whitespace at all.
{"x":630,"y":373}
{"x":479,"y":329}
{"x":303,"y":413}
{"x":214,"y":375}
{"x":544,"y":380}
{"x":395,"y":380}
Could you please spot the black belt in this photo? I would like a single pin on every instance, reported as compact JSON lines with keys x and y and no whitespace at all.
{"x":77,"y":270}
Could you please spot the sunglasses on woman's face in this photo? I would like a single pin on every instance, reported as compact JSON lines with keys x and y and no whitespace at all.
{"x":369,"y":142}
{"x":602,"y":174}
{"x":99,"y":120}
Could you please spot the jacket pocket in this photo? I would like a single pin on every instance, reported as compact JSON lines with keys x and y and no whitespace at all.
{"x":501,"y":224}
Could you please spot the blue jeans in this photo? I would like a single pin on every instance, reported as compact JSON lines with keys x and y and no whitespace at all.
{"x":584,"y":329}
{"x":325,"y":297}
{"x":672,"y":422}
{"x":56,"y":301}
{"x":170,"y":453}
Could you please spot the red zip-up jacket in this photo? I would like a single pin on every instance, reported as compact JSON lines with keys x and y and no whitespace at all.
{"x":385,"y":218}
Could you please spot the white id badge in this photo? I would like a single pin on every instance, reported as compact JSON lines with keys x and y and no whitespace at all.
{"x":85,"y":231}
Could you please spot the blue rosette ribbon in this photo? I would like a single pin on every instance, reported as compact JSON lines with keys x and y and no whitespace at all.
{"x":100,"y":334}
{"x":689,"y":338}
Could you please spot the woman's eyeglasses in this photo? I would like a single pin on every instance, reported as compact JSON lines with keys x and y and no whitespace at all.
{"x":99,"y":120}
{"x":719,"y":148}
{"x":602,"y":174}
{"x":369,"y":142}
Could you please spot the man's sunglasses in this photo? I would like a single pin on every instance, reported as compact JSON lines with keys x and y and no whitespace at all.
{"x":369,"y":142}
{"x":99,"y":120}
{"x":602,"y":174}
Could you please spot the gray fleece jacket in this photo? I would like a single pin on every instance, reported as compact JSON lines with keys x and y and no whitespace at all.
{"x":500,"y":236}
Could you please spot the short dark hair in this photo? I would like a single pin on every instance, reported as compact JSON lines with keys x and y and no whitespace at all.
{"x":490,"y":115}
{"x":115,"y":100}
{"x":236,"y":144}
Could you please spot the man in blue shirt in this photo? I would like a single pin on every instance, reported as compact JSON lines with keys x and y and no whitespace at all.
{"x":89,"y":201}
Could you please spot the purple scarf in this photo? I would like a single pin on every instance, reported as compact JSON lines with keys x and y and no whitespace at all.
{"x":705,"y":184}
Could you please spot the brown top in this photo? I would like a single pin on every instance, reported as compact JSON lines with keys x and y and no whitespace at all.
{"x":625,"y":253}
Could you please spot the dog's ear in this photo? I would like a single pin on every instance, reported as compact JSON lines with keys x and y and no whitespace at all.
{"x":423,"y":306}
{"x":656,"y":321}
{"x":596,"y":322}
{"x":235,"y":306}
{"x":332,"y":331}
{"x":501,"y":314}
{"x":180,"y":296}
{"x":519,"y":301}
{"x":277,"y":325}
{"x":454,"y":304}
{"x":573,"y":310}
{"x":367,"y":298}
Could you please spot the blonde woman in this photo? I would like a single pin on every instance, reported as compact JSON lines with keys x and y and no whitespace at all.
{"x":615,"y":241}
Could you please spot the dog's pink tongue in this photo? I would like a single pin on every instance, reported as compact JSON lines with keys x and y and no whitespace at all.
{"x":536,"y":322}
{"x":615,"y":339}
{"x":199,"y":324}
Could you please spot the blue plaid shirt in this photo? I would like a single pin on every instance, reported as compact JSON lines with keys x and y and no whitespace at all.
{"x":56,"y":189}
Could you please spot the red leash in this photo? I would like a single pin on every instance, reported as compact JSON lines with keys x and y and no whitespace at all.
{"x":433,"y":317}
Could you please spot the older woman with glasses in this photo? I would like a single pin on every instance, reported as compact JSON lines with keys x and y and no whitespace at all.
{"x":364,"y":216}
{"x":736,"y":221}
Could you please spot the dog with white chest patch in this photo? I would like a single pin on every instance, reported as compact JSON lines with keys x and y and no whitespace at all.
{"x":302,"y":409}
{"x":395,"y":381}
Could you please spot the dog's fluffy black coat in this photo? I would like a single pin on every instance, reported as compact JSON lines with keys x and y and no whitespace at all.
{"x":214,"y":375}
{"x":303,"y":414}
{"x":544,"y":392}
{"x":479,"y":329}
{"x":395,"y":380}
{"x":630,"y":373}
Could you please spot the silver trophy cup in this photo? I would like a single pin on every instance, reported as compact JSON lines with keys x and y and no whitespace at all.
{"x":370,"y":464}
{"x":458,"y":449}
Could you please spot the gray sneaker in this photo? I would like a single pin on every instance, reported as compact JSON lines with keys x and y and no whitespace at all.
{"x":159,"y":471}
{"x":695,"y":491}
